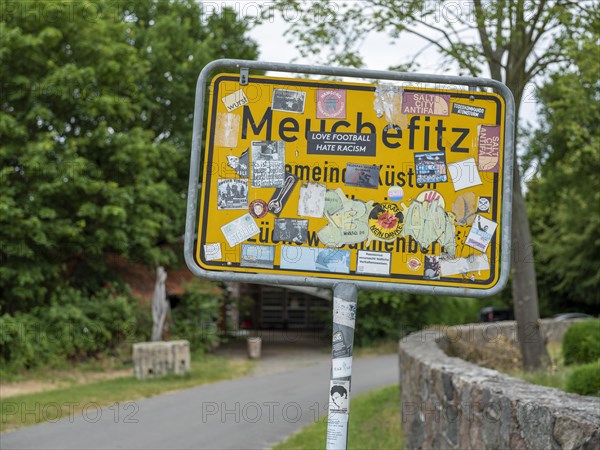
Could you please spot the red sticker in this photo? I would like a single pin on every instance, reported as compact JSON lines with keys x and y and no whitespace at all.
{"x":258,"y":209}
{"x":414,"y":264}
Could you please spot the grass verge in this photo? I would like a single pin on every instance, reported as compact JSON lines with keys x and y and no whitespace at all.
{"x":29,"y":409}
{"x":375,"y":423}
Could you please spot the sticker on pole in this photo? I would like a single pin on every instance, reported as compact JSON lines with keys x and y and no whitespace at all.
{"x":380,"y":184}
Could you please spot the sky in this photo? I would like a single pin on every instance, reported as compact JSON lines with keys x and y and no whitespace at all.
{"x":378,"y":52}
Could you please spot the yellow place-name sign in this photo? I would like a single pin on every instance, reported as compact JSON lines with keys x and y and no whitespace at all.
{"x":353,"y":182}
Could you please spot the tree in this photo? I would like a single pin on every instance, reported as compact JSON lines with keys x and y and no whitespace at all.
{"x":563,"y":196}
{"x":95,"y":125}
{"x":515,"y":40}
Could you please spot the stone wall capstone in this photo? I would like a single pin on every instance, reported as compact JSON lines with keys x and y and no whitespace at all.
{"x":448,"y":403}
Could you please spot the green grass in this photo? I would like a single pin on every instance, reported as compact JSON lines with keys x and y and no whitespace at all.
{"x":555,"y":375}
{"x":375,"y":423}
{"x":29,"y":409}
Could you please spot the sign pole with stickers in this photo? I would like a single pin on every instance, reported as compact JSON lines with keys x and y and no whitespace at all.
{"x":404,"y":184}
{"x":344,"y":317}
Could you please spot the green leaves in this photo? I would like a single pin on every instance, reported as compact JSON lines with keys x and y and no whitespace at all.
{"x":96,"y":110}
{"x":563,"y":198}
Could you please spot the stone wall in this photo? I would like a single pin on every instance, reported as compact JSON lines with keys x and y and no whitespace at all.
{"x":448,"y":403}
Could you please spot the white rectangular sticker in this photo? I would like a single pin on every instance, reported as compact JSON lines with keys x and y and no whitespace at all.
{"x":268,"y":164}
{"x":464,"y":174}
{"x":376,"y":263}
{"x":337,"y":429}
{"x":312,"y":200}
{"x":235,"y":100}
{"x":240,"y":229}
{"x":341,"y":367}
{"x":461,"y":266}
{"x":344,"y":312}
{"x":212,"y":251}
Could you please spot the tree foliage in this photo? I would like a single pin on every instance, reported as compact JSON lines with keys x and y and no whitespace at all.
{"x":95,"y":127}
{"x":515,"y":40}
{"x":563,"y":198}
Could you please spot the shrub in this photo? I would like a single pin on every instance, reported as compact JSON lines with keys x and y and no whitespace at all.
{"x":195,"y":317}
{"x":73,"y":327}
{"x":585,"y":379}
{"x":16,"y":350}
{"x":385,"y":315}
{"x":581,"y":343}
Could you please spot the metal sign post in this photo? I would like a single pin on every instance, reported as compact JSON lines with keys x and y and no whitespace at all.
{"x":344,"y":316}
{"x":404,"y":184}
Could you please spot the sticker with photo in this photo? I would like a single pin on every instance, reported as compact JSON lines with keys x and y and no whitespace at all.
{"x":481,"y":233}
{"x":431,"y":167}
{"x":331,"y":104}
{"x":290,"y":230}
{"x":289,"y":101}
{"x":282,"y":194}
{"x":362,"y":175}
{"x":339,"y":398}
{"x":315,"y":259}
{"x":261,"y":256}
{"x":432,"y":268}
{"x":239,"y":164}
{"x":212,"y":251}
{"x":312,"y":200}
{"x":240,"y":229}
{"x":258,"y":208}
{"x":268,"y":164}
{"x":232,"y":194}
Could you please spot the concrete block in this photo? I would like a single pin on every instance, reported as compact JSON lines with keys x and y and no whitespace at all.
{"x":157,"y":359}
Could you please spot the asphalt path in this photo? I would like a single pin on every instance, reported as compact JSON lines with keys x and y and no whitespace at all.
{"x":247,"y":413}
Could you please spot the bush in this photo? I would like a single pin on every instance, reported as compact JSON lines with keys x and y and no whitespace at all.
{"x":383,"y":315}
{"x":195,"y":317}
{"x":16,"y":350}
{"x":581,"y":343}
{"x":585,"y":379}
{"x":72,"y":328}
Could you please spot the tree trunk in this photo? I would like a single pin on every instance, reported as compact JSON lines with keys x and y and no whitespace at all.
{"x":524,"y":287}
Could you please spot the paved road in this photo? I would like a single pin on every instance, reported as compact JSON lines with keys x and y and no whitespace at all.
{"x":247,"y":413}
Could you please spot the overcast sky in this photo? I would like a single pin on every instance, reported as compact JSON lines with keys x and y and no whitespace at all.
{"x":378,"y":52}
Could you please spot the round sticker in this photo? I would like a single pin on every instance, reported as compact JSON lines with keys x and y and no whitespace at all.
{"x":395,"y":193}
{"x":258,"y":209}
{"x":386,"y":221}
{"x":483,"y":204}
{"x":414,"y":264}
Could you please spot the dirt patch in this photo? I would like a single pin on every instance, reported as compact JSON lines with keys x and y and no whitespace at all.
{"x":62,"y":380}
